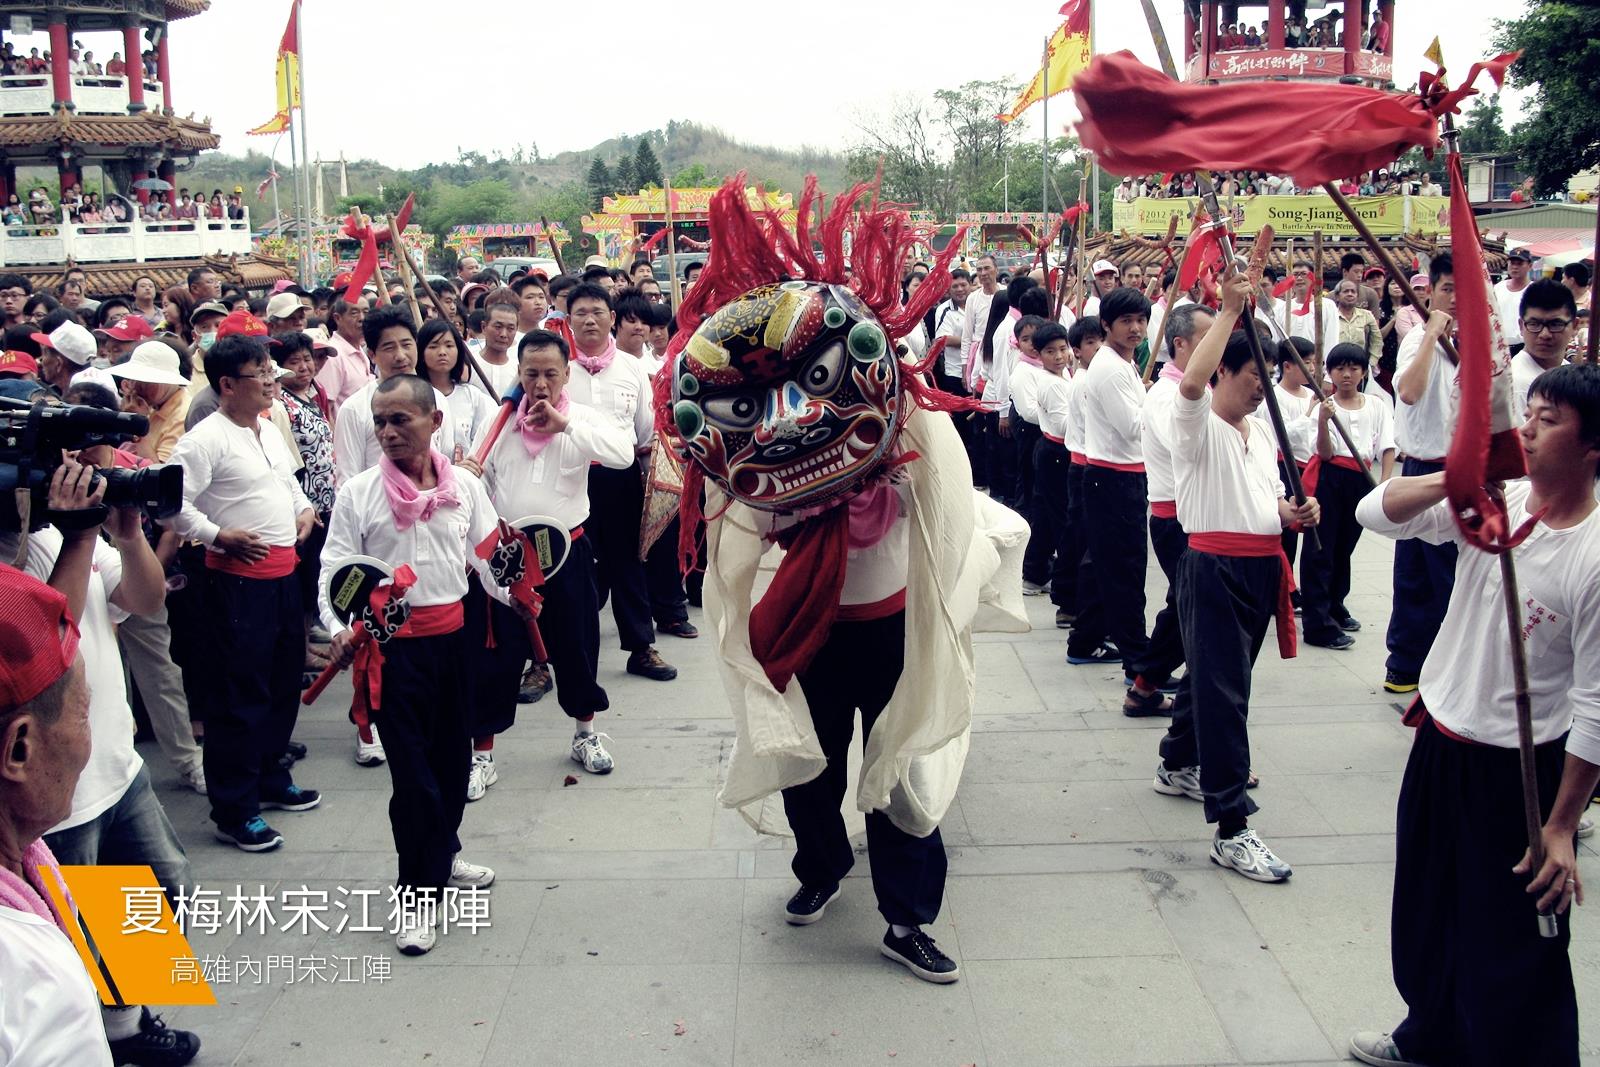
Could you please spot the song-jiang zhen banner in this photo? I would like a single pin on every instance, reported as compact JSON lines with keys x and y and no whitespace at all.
{"x":1294,"y":215}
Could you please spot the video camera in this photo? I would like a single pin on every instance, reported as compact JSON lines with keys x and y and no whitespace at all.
{"x":32,"y":438}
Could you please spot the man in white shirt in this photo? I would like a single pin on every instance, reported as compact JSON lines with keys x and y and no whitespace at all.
{"x":540,"y":466}
{"x":617,"y":388}
{"x":986,"y":433}
{"x":1424,"y":573}
{"x":1234,"y":581}
{"x":348,"y":369}
{"x":1508,"y":295}
{"x":1106,"y":278}
{"x":392,"y":340}
{"x":949,"y":319}
{"x":500,"y":329}
{"x":1481,"y":984}
{"x":241,"y":500}
{"x":1547,"y":318}
{"x":414,"y":508}
{"x":1297,"y":311}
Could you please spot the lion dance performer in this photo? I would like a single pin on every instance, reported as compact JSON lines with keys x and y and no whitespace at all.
{"x":785,"y":388}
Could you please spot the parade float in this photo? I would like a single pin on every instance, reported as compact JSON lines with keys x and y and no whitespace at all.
{"x":625,"y":223}
{"x":333,"y":252}
{"x":489,"y":241}
{"x":118,"y":136}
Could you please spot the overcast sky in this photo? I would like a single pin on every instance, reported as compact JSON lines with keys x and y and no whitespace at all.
{"x":492,"y":74}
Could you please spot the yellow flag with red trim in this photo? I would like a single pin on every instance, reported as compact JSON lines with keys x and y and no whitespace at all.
{"x":1066,"y":53}
{"x":1434,"y":54}
{"x":288,"y":76}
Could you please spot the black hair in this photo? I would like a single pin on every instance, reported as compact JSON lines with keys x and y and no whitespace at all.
{"x":486,"y":277}
{"x":57,"y":316}
{"x":1440,"y":265}
{"x":103,"y":312}
{"x":1016,"y":287}
{"x":1048,"y":332}
{"x":385,"y":318}
{"x":1344,"y":354}
{"x":560,"y":284}
{"x":476,"y":319}
{"x":1028,"y":322}
{"x":323,"y":294}
{"x":1576,"y":386}
{"x":1123,"y":301}
{"x":1351,"y":259}
{"x":1035,"y":300}
{"x":418,"y":387}
{"x":961,"y":272}
{"x":425,"y":336}
{"x":16,"y":281}
{"x":1301,"y":345}
{"x":631,"y":304}
{"x":543,"y":339}
{"x":257,"y":306}
{"x":999,"y":311}
{"x":661,"y":314}
{"x":595,"y":273}
{"x":230,"y":353}
{"x":91,"y":395}
{"x":1237,"y":353}
{"x":1579,"y":273}
{"x":19,"y":338}
{"x":1085,"y":328}
{"x":285,"y":345}
{"x":1547,"y":294}
{"x":198,"y":273}
{"x":589,"y":291}
{"x":692,"y":265}
{"x":37,"y":300}
{"x":637,"y":263}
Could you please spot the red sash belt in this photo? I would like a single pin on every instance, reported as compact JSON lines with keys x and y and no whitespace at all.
{"x":1418,"y":715}
{"x":1311,"y":473}
{"x":279,"y":562}
{"x":1078,"y":458}
{"x":1126,"y":468}
{"x":1254,"y":546}
{"x":1164,"y":509}
{"x":878,"y":609}
{"x":1048,"y":436}
{"x":367,"y":668}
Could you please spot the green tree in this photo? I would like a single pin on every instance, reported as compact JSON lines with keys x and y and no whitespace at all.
{"x":646,"y":167}
{"x":1484,"y":129}
{"x":490,"y":200}
{"x":1560,"y":45}
{"x":693,"y":176}
{"x":599,"y":183}
{"x":623,"y":178}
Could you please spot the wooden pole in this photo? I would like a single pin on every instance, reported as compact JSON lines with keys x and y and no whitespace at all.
{"x":1316,"y":297}
{"x":1083,"y":242}
{"x":438,"y":306}
{"x":555,"y":250}
{"x":407,"y":279}
{"x":672,"y":250}
{"x":1169,"y":296}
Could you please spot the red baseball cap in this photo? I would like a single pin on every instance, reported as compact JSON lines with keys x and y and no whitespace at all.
{"x":240,"y":321}
{"x":132,"y":328}
{"x":38,"y":639}
{"x":18,"y":363}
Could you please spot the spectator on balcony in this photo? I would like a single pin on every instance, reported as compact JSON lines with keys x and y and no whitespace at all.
{"x":236,"y":204}
{"x":1428,"y":187}
{"x":1378,"y":38}
{"x":1252,"y":38}
{"x":39,"y":205}
{"x":116,"y":68}
{"x":15,"y":214}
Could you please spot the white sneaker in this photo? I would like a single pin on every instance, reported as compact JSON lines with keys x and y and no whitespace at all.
{"x":1183,"y":782}
{"x":482,"y":776}
{"x":417,"y":934}
{"x":1250,"y":856}
{"x":370,"y":755}
{"x":464,"y":875}
{"x":1585,"y":823}
{"x":1369,"y":1046}
{"x":587,"y":750}
{"x":195,"y":778}
{"x":1034,"y":588}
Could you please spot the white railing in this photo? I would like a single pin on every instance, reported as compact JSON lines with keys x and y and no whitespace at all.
{"x":130,"y":242}
{"x":92,"y":94}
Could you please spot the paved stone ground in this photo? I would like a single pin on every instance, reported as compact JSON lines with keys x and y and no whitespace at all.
{"x":1090,"y":927}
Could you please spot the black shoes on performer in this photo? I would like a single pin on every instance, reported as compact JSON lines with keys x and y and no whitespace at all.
{"x":919,"y":955}
{"x":647,"y":663}
{"x":1396,"y":682}
{"x":681,"y":628}
{"x":155,"y":1045}
{"x":808,"y":904}
{"x":1338,"y":642}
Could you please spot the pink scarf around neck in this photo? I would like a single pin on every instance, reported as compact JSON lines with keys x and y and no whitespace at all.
{"x":411,"y":505}
{"x":596,"y":364}
{"x":1032,"y":361}
{"x":21,"y":894}
{"x":533,"y":439}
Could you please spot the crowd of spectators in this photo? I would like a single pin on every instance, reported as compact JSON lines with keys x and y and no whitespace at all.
{"x":1382,"y":182}
{"x":1326,"y":31}
{"x":81,"y":63}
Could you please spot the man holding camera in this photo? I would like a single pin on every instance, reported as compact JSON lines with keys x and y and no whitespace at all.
{"x":241,"y":499}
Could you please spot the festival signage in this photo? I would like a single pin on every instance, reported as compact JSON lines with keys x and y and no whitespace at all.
{"x":1289,"y":62}
{"x":1294,"y":215}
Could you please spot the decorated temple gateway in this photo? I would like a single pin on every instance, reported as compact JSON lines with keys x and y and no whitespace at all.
{"x":489,"y":241}
{"x":624,"y":222}
{"x":113,"y":135}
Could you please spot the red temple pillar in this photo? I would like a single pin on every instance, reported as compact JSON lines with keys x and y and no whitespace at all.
{"x":132,"y":58}
{"x":139,"y":174}
{"x":1208,"y":37}
{"x":61,"y":64}
{"x":1352,"y":35}
{"x":164,"y":72}
{"x":1276,"y":21}
{"x":1189,"y":28}
{"x":167,"y":171}
{"x":68,"y":174}
{"x":8,"y":181}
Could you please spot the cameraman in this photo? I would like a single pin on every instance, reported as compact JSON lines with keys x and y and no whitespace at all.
{"x":115,"y":813}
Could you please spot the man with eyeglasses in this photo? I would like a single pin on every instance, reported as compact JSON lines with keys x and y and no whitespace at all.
{"x":241,"y":500}
{"x":14,"y":293}
{"x":1298,"y":312}
{"x":1549,"y":317}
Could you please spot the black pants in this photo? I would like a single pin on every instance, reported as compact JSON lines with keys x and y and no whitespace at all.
{"x":1025,"y":436}
{"x":1225,"y":604}
{"x":496,"y":645}
{"x":1046,"y":557}
{"x":1114,"y":504}
{"x":1424,"y":574}
{"x":1089,"y":623}
{"x":193,"y":634}
{"x":428,"y":743}
{"x":1166,"y":639}
{"x":258,"y":637}
{"x":1290,"y":537}
{"x":668,"y":601}
{"x":1480,"y":985}
{"x":569,"y":622}
{"x":309,"y":568}
{"x":1325,"y":571}
{"x":966,"y":423}
{"x":616,"y":500}
{"x":1001,"y":457}
{"x":859,"y":667}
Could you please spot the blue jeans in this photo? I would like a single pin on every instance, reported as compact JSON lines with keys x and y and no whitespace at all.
{"x":133,"y":831}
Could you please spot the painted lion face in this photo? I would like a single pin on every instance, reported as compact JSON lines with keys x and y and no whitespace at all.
{"x":788,"y":396}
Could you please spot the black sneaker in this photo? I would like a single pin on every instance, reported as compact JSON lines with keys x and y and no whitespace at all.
{"x":155,"y":1045}
{"x":1338,"y":642}
{"x":1350,"y":625}
{"x":920,"y":955}
{"x":681,"y":628}
{"x":1065,"y":619}
{"x":808,"y":904}
{"x":1395,"y":682}
{"x":252,"y":835}
{"x":295,"y":750}
{"x":1106,"y":653}
{"x":647,"y":663}
{"x":292,"y":799}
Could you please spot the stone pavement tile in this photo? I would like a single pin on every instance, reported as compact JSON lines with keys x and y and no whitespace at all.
{"x":1325,"y":681}
{"x":642,"y":762}
{"x":421,"y":1015}
{"x":1036,"y":756}
{"x":1328,"y":748}
{"x":1102,"y":1011}
{"x":1005,"y":685}
{"x":1029,"y":813}
{"x":1585,"y":956}
{"x":1032,"y":721}
{"x":1375,"y":710}
{"x":642,"y":921}
{"x":1354,"y":803}
{"x":1285,"y":812}
{"x":1051,"y":916}
{"x":582,"y":817}
{"x":554,"y":865}
{"x":1254,"y":1000}
{"x":847,"y":935}
{"x":853,"y":1013}
{"x":602,"y":1015}
{"x":1133,"y":750}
